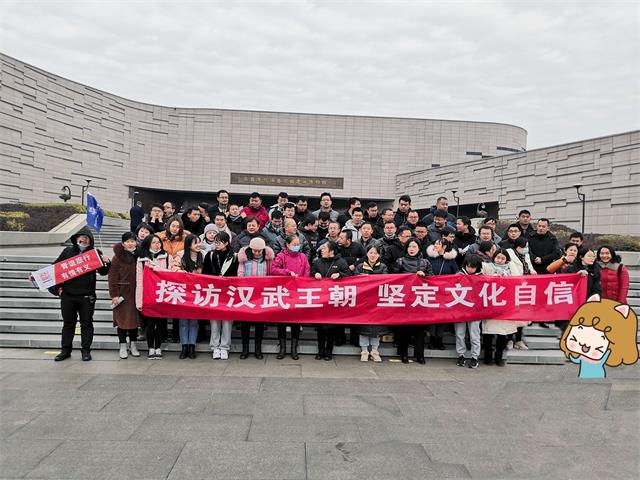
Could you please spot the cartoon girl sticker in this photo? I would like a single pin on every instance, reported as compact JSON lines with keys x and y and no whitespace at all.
{"x":602,"y":332}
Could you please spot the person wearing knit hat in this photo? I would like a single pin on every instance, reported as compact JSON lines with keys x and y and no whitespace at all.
{"x":208,"y":238}
{"x":254,"y":261}
{"x":257,"y":244}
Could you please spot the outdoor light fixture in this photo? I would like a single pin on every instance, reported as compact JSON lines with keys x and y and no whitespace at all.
{"x":85,"y":188}
{"x":66,"y":194}
{"x":583,"y":198}
{"x":457,"y":199}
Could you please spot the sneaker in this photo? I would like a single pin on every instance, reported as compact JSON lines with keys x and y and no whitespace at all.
{"x":376,"y":356}
{"x":461,"y":361}
{"x":123,"y":351}
{"x":521,"y":345}
{"x":473,"y":363}
{"x":510,"y":345}
{"x":152,"y":354}
{"x":216,"y":353}
{"x":224,"y":355}
{"x":158,"y":354}
{"x":364,"y":356}
{"x":133,"y":349}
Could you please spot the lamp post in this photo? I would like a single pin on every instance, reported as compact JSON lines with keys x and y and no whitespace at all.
{"x":66,"y":194}
{"x":457,"y":199}
{"x":583,"y":198}
{"x":85,"y":188}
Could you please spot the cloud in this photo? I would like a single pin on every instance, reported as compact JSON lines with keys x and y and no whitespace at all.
{"x":562,"y":71}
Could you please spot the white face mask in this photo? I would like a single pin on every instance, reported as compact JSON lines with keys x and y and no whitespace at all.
{"x":82,"y":247}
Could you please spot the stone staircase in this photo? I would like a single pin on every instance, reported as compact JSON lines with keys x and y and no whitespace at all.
{"x":30,"y":318}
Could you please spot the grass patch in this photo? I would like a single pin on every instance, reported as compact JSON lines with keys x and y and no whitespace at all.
{"x":40,"y":217}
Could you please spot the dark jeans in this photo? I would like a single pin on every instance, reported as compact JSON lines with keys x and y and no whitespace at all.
{"x":282,"y":331}
{"x":131,"y":333}
{"x":156,"y":331}
{"x":327,"y":337}
{"x":501,"y":344}
{"x":406,"y":333}
{"x":245,"y":332}
{"x":72,"y":307}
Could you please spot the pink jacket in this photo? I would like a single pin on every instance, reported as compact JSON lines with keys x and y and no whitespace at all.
{"x":161,"y":262}
{"x":242,"y":260}
{"x":288,"y":261}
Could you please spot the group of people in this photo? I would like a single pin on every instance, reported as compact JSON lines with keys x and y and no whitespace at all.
{"x":286,"y":239}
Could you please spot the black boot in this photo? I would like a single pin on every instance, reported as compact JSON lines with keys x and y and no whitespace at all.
{"x":184,"y":352}
{"x":322,"y":340}
{"x":294,"y":349}
{"x":258,"y":353}
{"x":62,"y":356}
{"x":283,"y":349}
{"x":328,"y":353}
{"x":192,"y":351}
{"x":245,"y":351}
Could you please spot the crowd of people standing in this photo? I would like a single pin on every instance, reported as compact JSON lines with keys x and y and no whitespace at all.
{"x":286,"y":239}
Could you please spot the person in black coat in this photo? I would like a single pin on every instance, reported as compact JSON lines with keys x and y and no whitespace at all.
{"x":136,"y":214}
{"x":328,"y":265}
{"x":543,"y":247}
{"x":78,"y":297}
{"x":193,"y":221}
{"x":411,"y":262}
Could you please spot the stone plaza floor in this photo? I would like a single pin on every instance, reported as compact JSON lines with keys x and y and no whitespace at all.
{"x":308,"y":419}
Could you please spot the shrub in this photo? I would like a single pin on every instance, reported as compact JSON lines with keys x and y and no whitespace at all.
{"x":40,"y":217}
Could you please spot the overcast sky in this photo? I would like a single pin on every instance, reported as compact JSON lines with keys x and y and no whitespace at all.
{"x":565,"y":71}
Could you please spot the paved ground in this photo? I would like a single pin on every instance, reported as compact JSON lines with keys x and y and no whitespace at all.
{"x":270,"y":419}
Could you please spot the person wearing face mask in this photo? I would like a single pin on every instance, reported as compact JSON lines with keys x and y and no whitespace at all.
{"x":221,"y":262}
{"x":290,"y":262}
{"x":324,"y":219}
{"x":153,"y":256}
{"x":235,"y":221}
{"x":78,"y":297}
{"x":122,"y":290}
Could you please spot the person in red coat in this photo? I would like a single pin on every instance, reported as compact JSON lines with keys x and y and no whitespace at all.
{"x":613,"y":275}
{"x":290,"y":262}
{"x":256,"y":209}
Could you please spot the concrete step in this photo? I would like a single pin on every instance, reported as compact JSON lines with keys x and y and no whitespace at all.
{"x":25,"y":283}
{"x":44,"y":314}
{"x":43,"y":303}
{"x":103,"y":342}
{"x":30,"y":292}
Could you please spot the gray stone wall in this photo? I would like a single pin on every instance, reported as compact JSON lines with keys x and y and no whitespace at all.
{"x":56,"y":132}
{"x":542,"y":181}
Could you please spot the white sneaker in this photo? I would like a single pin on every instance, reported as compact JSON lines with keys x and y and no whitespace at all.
{"x":123,"y":351}
{"x":152,"y":354}
{"x":133,"y":348}
{"x":158,"y":354}
{"x":364,"y":356}
{"x":224,"y":355}
{"x":521,"y":345}
{"x":216,"y":353}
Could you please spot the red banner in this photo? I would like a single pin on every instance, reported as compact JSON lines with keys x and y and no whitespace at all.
{"x":67,"y":269}
{"x":373,"y":299}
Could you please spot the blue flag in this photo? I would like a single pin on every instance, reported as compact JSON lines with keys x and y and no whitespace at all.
{"x":95,"y":214}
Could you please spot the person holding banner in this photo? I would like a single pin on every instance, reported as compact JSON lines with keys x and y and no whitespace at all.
{"x":122,"y":290}
{"x":254,"y":261}
{"x":369,"y":335}
{"x":78,"y":297}
{"x":471,"y":265}
{"x":290,"y":262}
{"x":500,"y":328}
{"x":412,"y":262}
{"x":222,"y":262}
{"x":329,"y":265}
{"x":152,"y":255}
{"x":189,"y":260}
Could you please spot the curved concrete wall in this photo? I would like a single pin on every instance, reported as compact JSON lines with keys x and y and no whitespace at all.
{"x":56,"y":132}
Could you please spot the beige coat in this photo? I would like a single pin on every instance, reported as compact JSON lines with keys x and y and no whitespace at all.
{"x":498,"y":327}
